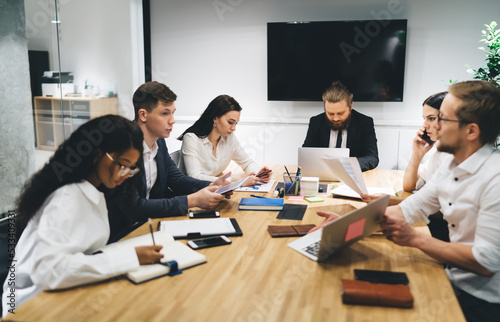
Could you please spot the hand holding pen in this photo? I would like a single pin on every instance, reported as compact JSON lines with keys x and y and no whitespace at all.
{"x":264,"y":174}
{"x":149,"y":254}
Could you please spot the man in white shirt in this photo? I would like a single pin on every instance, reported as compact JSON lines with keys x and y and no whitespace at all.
{"x":466,"y":190}
{"x":162,"y":190}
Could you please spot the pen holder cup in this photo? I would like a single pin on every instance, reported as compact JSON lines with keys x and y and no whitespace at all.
{"x":292,"y":184}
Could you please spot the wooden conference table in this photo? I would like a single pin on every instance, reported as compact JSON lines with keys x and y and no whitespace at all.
{"x":259,"y":278}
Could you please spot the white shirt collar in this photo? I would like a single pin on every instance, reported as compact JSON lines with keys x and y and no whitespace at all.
{"x":90,"y":191}
{"x":205,"y":140}
{"x":148,"y":151}
{"x":473,"y":163}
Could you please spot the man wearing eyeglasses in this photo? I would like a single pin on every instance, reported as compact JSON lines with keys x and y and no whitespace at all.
{"x":467,"y":191}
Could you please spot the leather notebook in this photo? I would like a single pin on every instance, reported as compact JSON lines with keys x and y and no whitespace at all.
{"x":289,"y":230}
{"x":361,"y":292}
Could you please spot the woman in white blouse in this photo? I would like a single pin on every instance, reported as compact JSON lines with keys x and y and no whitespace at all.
{"x":62,"y":216}
{"x":416,"y":174}
{"x":209,"y":145}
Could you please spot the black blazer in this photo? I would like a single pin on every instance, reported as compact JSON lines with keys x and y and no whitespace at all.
{"x":361,"y":139}
{"x":128,"y":206}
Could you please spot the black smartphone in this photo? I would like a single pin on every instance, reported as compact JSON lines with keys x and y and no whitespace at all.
{"x":209,"y":242}
{"x":204,"y":214}
{"x":385,"y":277}
{"x":426,"y":138}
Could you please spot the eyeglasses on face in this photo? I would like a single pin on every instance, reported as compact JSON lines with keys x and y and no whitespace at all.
{"x":439,"y":118}
{"x":124,"y":171}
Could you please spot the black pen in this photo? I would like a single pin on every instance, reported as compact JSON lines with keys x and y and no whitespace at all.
{"x":289,"y":176}
{"x":255,"y":196}
{"x":151,"y":230}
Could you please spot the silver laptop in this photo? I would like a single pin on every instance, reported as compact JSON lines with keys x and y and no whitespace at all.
{"x":311,"y":163}
{"x":342,"y":232}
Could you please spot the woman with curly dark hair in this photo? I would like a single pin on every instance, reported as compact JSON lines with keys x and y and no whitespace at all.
{"x":63,"y":216}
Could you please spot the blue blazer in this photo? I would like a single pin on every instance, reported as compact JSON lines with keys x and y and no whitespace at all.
{"x":361,"y":139}
{"x":128,"y":206}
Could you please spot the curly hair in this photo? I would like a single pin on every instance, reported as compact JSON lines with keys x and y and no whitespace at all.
{"x":74,"y":160}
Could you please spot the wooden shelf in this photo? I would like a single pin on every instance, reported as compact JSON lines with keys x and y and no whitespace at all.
{"x":56,"y":118}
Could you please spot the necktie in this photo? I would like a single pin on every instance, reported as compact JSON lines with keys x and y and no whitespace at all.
{"x":339,"y":139}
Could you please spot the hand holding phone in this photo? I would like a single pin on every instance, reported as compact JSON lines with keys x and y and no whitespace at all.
{"x":209,"y":242}
{"x":426,"y":138}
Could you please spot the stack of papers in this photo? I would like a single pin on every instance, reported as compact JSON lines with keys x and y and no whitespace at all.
{"x":349,"y":172}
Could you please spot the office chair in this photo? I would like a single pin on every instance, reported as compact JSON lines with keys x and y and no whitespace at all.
{"x":176,"y":157}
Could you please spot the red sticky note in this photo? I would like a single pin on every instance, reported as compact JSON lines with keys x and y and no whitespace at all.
{"x":355,"y":229}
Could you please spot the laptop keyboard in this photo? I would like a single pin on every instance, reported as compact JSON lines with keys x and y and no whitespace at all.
{"x":312,"y":248}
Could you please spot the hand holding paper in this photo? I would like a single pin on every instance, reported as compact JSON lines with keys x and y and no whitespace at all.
{"x":349,"y":172}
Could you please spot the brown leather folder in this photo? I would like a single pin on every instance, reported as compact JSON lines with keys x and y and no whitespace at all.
{"x":361,"y":292}
{"x":289,"y":230}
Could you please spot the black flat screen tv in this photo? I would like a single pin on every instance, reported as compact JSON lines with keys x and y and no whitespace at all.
{"x":368,"y":56}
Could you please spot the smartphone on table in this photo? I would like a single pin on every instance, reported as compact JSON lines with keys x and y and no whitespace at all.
{"x":386,"y":277}
{"x":209,"y":242}
{"x":203,"y":214}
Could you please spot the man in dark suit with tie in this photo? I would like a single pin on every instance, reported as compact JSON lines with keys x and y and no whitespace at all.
{"x":160,"y":189}
{"x":342,"y":127}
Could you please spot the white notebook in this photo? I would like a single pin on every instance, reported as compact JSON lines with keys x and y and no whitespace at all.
{"x":198,"y":227}
{"x":172,"y":251}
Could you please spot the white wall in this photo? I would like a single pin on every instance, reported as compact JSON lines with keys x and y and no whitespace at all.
{"x":205,"y":48}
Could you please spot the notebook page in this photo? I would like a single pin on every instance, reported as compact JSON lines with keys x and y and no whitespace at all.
{"x":215,"y":226}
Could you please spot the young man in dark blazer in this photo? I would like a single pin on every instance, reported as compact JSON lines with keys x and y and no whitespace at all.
{"x":342,"y":127}
{"x":160,"y":189}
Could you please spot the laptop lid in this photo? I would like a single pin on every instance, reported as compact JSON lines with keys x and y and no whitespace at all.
{"x":312,"y":165}
{"x":354,"y":226}
{"x":343,"y":231}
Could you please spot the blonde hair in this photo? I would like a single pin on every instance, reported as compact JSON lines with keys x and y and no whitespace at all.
{"x":480,"y":104}
{"x":337,"y":92}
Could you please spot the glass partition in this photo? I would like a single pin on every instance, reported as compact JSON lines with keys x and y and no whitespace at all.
{"x":81,"y":54}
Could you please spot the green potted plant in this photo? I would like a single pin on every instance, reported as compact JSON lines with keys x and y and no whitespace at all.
{"x":491,"y":72}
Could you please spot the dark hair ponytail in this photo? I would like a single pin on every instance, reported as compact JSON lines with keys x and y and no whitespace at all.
{"x":217,"y":107}
{"x":435,"y":100}
{"x":74,"y":160}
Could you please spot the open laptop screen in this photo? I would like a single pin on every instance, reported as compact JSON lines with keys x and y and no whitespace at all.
{"x":311,"y":163}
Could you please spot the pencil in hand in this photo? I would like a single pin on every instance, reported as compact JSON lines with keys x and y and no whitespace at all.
{"x":151,"y":230}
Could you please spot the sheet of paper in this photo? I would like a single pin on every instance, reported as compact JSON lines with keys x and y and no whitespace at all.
{"x":216,"y":226}
{"x":161,"y":238}
{"x":345,"y":191}
{"x":264,"y":187}
{"x":349,"y":172}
